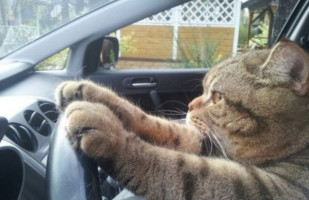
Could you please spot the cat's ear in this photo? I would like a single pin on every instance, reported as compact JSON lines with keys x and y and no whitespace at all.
{"x":287,"y":62}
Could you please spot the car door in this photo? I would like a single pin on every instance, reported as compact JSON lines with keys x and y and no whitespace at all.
{"x":163,"y":92}
{"x":164,"y":57}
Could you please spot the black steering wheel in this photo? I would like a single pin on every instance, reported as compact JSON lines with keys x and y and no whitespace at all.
{"x":70,"y":174}
{"x":73,"y":176}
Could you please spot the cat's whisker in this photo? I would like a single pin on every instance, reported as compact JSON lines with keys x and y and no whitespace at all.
{"x":171,"y":112}
{"x":194,"y":83}
{"x":210,"y":134}
{"x":222,"y":151}
{"x":211,"y":148}
{"x":173,"y":101}
{"x":194,"y":80}
{"x":221,"y":147}
{"x":196,"y":87}
{"x":181,"y":111}
{"x":214,"y":142}
{"x":207,"y":145}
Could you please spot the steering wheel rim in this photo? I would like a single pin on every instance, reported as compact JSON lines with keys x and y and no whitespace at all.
{"x":70,"y":174}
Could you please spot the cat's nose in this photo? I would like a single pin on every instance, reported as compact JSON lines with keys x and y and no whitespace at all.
{"x":196,"y":103}
{"x":190,"y":106}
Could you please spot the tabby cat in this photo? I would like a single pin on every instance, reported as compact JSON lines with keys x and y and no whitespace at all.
{"x":254,"y":108}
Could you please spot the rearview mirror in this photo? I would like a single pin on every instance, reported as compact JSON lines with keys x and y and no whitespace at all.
{"x":110,"y":51}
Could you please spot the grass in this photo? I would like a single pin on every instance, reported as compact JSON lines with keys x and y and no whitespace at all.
{"x":201,"y":53}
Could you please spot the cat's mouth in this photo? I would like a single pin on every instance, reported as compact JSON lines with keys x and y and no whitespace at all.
{"x":207,"y":131}
{"x":196,"y":122}
{"x":201,"y":126}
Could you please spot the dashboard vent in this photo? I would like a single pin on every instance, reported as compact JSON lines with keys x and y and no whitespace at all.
{"x":37,"y":122}
{"x":49,"y":110}
{"x":22,"y":136}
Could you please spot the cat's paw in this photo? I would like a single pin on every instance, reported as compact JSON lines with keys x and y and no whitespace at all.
{"x":93,"y":128}
{"x":84,"y":90}
{"x":70,"y":91}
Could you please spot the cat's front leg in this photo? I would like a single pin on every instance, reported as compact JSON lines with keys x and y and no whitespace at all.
{"x":160,"y":173}
{"x":95,"y":130}
{"x":153,"y":129}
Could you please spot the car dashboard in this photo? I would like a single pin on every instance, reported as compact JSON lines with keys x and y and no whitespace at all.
{"x":28,"y":104}
{"x":31,"y":125}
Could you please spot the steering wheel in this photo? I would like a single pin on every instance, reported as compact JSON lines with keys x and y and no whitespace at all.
{"x":70,"y":174}
{"x":73,"y":176}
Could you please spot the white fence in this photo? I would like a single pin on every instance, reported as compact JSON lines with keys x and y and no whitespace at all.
{"x":199,"y":13}
{"x":217,"y":13}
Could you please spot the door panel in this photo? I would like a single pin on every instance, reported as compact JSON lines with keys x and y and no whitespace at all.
{"x":161,"y":92}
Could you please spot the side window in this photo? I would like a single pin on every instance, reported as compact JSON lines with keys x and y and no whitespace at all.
{"x":54,"y":62}
{"x":197,"y":34}
{"x":201,"y":33}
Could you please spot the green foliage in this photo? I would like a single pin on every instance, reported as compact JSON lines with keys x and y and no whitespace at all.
{"x":259,"y":40}
{"x":243,"y":34}
{"x":55,"y":62}
{"x":199,"y":55}
{"x":112,"y":57}
{"x":126,"y":44}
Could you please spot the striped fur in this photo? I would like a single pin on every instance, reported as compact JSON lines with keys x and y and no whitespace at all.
{"x":254,"y":112}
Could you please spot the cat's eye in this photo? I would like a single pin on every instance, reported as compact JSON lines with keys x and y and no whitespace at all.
{"x":217,"y":96}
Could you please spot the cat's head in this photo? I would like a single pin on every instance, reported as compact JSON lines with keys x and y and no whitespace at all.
{"x":256,"y":104}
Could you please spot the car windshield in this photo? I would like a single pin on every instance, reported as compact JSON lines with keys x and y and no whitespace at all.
{"x":24,"y":21}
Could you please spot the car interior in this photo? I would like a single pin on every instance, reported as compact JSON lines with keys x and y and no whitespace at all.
{"x":36,"y":161}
